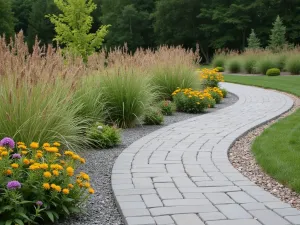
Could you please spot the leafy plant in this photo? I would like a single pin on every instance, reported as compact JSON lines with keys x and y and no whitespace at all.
{"x":210,"y":77}
{"x":220,"y":69}
{"x":191,"y":101}
{"x":224,"y":92}
{"x":73,"y":27}
{"x":38,"y":186}
{"x":103,"y":136}
{"x":216,"y":93}
{"x":153,"y":116}
{"x":167,"y":107}
{"x":273,"y":72}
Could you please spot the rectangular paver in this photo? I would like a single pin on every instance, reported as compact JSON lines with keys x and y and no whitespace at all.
{"x":182,"y":202}
{"x":268,"y":217}
{"x":152,"y":201}
{"x":219,"y":198}
{"x":163,"y":220}
{"x":169,"y":193}
{"x":235,"y":222}
{"x":212,"y":216}
{"x":190,"y":219}
{"x":144,"y":220}
{"x":241,"y":197}
{"x":182,"y":209}
{"x":234,"y":211}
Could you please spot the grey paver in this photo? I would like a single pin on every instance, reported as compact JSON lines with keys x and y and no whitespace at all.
{"x":163,"y":220}
{"x":152,"y":201}
{"x":234,"y":211}
{"x":293,"y":219}
{"x":181,"y":174}
{"x":234,"y":222}
{"x":191,"y":219}
{"x":144,"y":220}
{"x":241,"y":197}
{"x":160,"y":211}
{"x":212,"y":216}
{"x":268,"y":217}
{"x":219,"y":198}
{"x":169,"y":193}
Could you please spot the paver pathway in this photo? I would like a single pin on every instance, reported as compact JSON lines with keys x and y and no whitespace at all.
{"x":181,"y":174}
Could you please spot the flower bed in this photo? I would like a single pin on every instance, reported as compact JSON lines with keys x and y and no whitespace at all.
{"x":37,"y":183}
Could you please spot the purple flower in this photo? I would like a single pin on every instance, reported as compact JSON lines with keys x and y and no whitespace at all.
{"x":12,"y":185}
{"x":39,"y":203}
{"x":16,"y":156}
{"x":7,"y":142}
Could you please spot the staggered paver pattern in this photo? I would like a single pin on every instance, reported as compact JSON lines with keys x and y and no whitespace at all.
{"x":181,"y":175}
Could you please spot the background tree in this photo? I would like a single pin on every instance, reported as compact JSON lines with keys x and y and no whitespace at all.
{"x":22,"y":10}
{"x":253,"y":41}
{"x":6,"y":18}
{"x":38,"y":24}
{"x":73,"y":27}
{"x":277,"y":37}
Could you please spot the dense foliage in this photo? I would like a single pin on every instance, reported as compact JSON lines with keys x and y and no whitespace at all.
{"x":147,"y":23}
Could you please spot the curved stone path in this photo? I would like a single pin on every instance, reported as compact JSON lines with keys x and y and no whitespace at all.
{"x":181,"y":175}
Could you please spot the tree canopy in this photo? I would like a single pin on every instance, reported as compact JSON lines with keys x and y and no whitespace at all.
{"x":212,"y":24}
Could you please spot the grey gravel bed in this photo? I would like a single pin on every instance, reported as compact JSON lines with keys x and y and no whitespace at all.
{"x":101,"y":208}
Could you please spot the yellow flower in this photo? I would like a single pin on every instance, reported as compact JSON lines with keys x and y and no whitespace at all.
{"x":76,"y":157}
{"x":0,"y":158}
{"x":24,"y":152}
{"x":44,"y":166}
{"x":46,"y":186}
{"x":70,"y":171}
{"x":4,"y":153}
{"x":55,"y":172}
{"x":58,"y":155}
{"x":8,"y":172}
{"x":51,"y":149}
{"x":87,"y":184}
{"x":22,"y":147}
{"x":38,"y":155}
{"x":47,"y":174}
{"x":82,"y":160}
{"x":32,"y":161}
{"x":62,"y":162}
{"x":85,"y":176}
{"x":66,"y":191}
{"x":56,"y":144}
{"x":57,"y":188}
{"x":91,"y":191}
{"x":69,"y":153}
{"x":78,"y":181}
{"x":46,"y":145}
{"x":26,"y":161}
{"x":53,"y":186}
{"x":15,"y":165}
{"x":70,"y":186}
{"x":56,"y":167}
{"x":34,"y":145}
{"x":20,"y":143}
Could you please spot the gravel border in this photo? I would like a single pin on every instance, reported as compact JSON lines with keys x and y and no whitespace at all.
{"x":101,"y":207}
{"x":241,"y":157}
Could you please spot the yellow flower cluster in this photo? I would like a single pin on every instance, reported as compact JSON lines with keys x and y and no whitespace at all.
{"x":211,"y":75}
{"x":74,"y":156}
{"x":190,"y":93}
{"x":215,"y":89}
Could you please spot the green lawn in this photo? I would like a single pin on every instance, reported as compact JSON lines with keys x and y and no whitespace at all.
{"x":290,"y":84}
{"x":277,"y":150}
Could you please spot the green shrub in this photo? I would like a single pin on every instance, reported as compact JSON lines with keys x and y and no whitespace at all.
{"x":293,"y":65}
{"x":153,"y":116}
{"x":103,"y":136}
{"x":190,"y":101}
{"x":280,"y":61}
{"x":220,"y":69}
{"x":234,"y":65}
{"x":40,"y":111}
{"x":38,"y":184}
{"x":168,"y":78}
{"x":219,"y":60}
{"x":249,"y":64}
{"x":167,"y":107}
{"x":264,"y":64}
{"x":273,"y":72}
{"x":128,"y":94}
{"x":224,"y":92}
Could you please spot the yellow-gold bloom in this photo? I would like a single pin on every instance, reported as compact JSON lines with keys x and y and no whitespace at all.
{"x":15,"y":165}
{"x":56,"y":144}
{"x":8,"y":172}
{"x":47,"y":174}
{"x":66,"y":191}
{"x":4,"y":153}
{"x":46,"y":186}
{"x":70,"y":171}
{"x":91,"y":191}
{"x":34,"y":145}
{"x":70,"y":186}
{"x":55,"y":172}
{"x":26,"y":161}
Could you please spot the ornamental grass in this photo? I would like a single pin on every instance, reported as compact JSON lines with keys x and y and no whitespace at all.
{"x":38,"y":182}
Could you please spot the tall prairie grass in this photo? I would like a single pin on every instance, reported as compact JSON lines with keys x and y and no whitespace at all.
{"x":47,"y":96}
{"x":259,"y":61}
